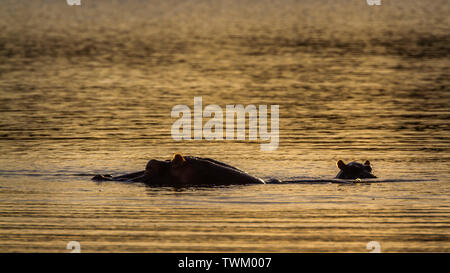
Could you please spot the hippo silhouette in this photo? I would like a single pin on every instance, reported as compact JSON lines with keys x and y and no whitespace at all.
{"x":184,"y":171}
{"x":354,"y":170}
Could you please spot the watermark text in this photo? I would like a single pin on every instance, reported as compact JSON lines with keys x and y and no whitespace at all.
{"x":213,"y":129}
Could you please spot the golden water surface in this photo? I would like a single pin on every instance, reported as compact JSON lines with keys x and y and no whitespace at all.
{"x":89,"y":89}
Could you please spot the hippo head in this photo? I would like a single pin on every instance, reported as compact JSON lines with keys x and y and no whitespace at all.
{"x":177,"y":171}
{"x":182,"y":171}
{"x":157,"y":172}
{"x":354,"y":170}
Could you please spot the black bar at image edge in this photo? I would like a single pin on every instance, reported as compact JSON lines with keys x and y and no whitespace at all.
{"x":225,"y":262}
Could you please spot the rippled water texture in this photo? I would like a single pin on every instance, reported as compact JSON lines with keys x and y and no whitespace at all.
{"x":90,"y":89}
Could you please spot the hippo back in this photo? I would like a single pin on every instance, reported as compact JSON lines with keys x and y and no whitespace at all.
{"x":212,"y":172}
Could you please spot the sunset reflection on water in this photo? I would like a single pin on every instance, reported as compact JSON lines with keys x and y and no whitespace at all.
{"x":90,"y":89}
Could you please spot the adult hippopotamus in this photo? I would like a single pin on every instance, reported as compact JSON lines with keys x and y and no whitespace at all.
{"x":184,"y":171}
{"x":354,"y":170}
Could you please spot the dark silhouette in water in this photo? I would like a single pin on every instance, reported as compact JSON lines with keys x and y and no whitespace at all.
{"x":354,"y":170}
{"x":186,"y":170}
{"x":198,"y":171}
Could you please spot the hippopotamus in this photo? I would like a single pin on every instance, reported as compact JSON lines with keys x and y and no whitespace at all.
{"x":354,"y":170}
{"x":186,"y":170}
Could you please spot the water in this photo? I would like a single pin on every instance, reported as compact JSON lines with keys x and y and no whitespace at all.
{"x":89,"y":89}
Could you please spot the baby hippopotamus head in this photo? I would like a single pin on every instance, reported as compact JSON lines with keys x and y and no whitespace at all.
{"x":354,"y":170}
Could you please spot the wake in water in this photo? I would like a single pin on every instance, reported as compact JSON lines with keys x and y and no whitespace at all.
{"x":356,"y":181}
{"x":196,"y":171}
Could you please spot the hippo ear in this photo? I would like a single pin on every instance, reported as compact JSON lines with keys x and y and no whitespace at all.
{"x":367,"y":163}
{"x":341,"y":165}
{"x":177,"y":160}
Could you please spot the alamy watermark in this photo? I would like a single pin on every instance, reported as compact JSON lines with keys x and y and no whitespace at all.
{"x":374,"y":246}
{"x":373,"y":2}
{"x":74,"y":246}
{"x":214,"y":127}
{"x":73,"y":2}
